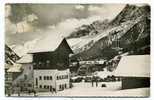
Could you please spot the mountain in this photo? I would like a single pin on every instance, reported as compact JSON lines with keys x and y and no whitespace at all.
{"x":129,"y":32}
{"x":93,"y":29}
{"x":131,"y":12}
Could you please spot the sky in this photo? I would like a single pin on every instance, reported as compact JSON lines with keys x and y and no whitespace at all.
{"x":54,"y":19}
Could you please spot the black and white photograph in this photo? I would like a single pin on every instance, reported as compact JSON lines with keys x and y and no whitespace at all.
{"x":77,"y":50}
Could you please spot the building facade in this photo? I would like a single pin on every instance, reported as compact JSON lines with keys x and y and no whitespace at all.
{"x":51,"y":66}
{"x":51,"y":80}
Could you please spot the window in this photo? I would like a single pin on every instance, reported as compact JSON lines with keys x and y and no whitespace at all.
{"x":34,"y":64}
{"x":29,"y":85}
{"x":36,"y":81}
{"x":25,"y":77}
{"x":40,"y":86}
{"x":40,"y":64}
{"x":47,"y":77}
{"x":45,"y":86}
{"x":29,"y":67}
{"x":48,"y":86}
{"x":65,"y":86}
{"x":47,"y":61}
{"x":60,"y":87}
{"x":57,"y":78}
{"x":50,"y":77}
{"x":40,"y":77}
{"x":17,"y":85}
{"x":66,"y":76}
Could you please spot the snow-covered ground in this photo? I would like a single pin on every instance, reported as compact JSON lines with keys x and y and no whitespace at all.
{"x":86,"y":89}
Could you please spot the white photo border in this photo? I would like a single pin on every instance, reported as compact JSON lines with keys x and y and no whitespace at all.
{"x":2,"y":39}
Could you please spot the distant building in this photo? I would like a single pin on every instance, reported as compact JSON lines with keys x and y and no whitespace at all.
{"x":10,"y":58}
{"x":51,"y":64}
{"x":25,"y":80}
{"x":88,"y":67}
{"x":100,"y":62}
{"x":11,"y":74}
{"x":134,"y":71}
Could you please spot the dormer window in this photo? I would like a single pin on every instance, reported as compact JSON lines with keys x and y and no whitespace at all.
{"x":40,"y":64}
{"x":48,"y":61}
{"x":34,"y":64}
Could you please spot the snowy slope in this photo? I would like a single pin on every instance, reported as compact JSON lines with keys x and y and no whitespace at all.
{"x":132,"y":28}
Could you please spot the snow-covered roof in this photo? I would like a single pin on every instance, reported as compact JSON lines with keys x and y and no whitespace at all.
{"x":47,"y":44}
{"x":15,"y":68}
{"x":7,"y":66}
{"x":28,"y":58}
{"x":134,"y":66}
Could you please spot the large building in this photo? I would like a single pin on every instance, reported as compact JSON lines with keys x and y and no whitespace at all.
{"x":134,"y":71}
{"x":52,"y":79}
{"x":51,"y":64}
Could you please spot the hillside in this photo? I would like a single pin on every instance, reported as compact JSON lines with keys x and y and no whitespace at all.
{"x":93,"y":29}
{"x":128,"y":32}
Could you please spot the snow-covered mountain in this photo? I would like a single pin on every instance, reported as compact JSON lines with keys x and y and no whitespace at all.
{"x":129,"y":31}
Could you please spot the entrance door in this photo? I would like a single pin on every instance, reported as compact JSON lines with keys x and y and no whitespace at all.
{"x":36,"y":80}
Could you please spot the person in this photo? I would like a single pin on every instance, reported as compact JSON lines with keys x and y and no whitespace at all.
{"x":29,"y":92}
{"x":9,"y":93}
{"x":96,"y":82}
{"x":34,"y":93}
{"x":54,"y":90}
{"x":18,"y":93}
{"x":51,"y":90}
{"x":92,"y":81}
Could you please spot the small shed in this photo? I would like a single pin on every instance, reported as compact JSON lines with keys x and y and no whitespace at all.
{"x":134,"y":71}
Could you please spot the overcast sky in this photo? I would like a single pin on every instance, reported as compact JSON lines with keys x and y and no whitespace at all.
{"x":56,"y":19}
